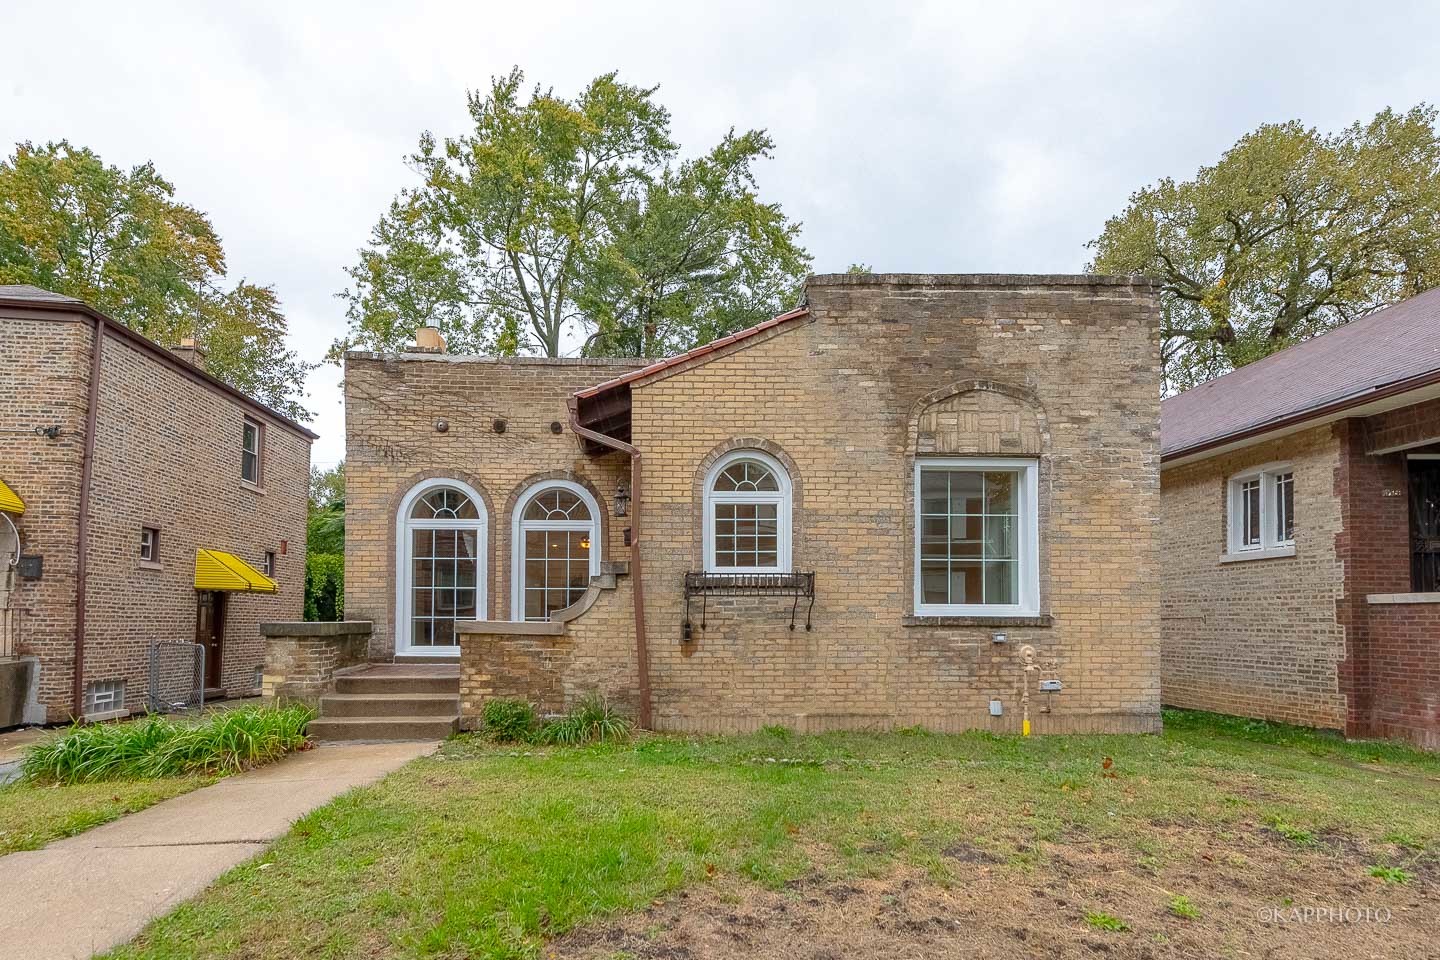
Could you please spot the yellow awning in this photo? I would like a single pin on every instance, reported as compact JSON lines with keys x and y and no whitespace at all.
{"x":218,"y":570}
{"x":9,"y":502}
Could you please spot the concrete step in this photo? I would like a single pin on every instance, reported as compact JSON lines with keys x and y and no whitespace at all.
{"x":389,"y":705}
{"x":383,"y":728}
{"x":375,"y":682}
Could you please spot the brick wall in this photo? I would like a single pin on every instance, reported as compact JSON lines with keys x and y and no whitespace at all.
{"x":1257,"y":638}
{"x":886,"y":366}
{"x":1298,"y":639}
{"x":167,"y":456}
{"x":948,"y":365}
{"x":45,"y":368}
{"x":391,"y":409}
{"x":1395,"y":648}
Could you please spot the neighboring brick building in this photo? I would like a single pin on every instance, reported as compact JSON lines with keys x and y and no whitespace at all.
{"x":490,"y":503}
{"x":1301,"y":543}
{"x":180,"y":463}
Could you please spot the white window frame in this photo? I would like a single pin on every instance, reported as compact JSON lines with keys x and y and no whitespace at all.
{"x":1028,"y":563}
{"x":258,"y":453}
{"x":781,"y":498}
{"x":150,"y":544}
{"x":404,"y":566}
{"x":519,"y":525}
{"x":1270,"y":544}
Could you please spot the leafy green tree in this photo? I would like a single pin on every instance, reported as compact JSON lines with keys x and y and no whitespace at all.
{"x":1290,"y":234}
{"x":572,"y":215}
{"x":120,"y":241}
{"x":693,"y":255}
{"x":325,"y":528}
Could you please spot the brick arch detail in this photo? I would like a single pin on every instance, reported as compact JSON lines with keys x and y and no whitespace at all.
{"x":1022,"y":396}
{"x":797,"y":498}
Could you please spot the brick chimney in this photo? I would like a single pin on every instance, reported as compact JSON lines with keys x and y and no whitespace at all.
{"x":190,"y":352}
{"x":428,"y":340}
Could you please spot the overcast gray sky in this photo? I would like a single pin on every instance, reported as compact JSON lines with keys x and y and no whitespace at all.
{"x":915,"y":137}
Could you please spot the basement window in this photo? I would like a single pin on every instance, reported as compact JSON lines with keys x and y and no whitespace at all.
{"x":1262,"y":513}
{"x":104,"y":697}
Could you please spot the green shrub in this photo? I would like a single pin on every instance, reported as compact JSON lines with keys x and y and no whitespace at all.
{"x":1182,"y":907}
{"x":1392,"y":874}
{"x":509,"y":721}
{"x":1104,"y":921}
{"x":591,"y":719}
{"x":157,"y":746}
{"x":325,"y":587}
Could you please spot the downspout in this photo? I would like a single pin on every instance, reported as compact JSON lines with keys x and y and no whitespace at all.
{"x":82,"y":537}
{"x":642,"y":649}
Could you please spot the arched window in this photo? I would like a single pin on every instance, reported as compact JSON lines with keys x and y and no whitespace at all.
{"x":747,"y":515}
{"x":555,"y":541}
{"x":440,"y":565}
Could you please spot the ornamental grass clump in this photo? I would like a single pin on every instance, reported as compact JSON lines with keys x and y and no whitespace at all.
{"x":156,"y":746}
{"x":590,"y":720}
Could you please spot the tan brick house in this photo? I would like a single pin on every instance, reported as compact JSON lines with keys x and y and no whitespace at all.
{"x":1301,"y":543}
{"x":144,"y":500}
{"x":874,"y":511}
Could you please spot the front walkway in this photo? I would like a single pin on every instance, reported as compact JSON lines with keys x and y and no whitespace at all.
{"x":90,"y":892}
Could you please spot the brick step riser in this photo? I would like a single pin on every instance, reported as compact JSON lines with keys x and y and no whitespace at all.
{"x":377,"y":707}
{"x":365,"y":684}
{"x":384,"y":728}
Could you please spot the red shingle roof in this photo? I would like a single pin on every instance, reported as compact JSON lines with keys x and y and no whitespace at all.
{"x":1387,"y":349}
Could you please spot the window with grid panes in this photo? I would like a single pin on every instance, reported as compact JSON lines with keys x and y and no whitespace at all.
{"x":747,"y":515}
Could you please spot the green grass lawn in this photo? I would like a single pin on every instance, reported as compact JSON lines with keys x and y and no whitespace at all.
{"x":31,"y":815}
{"x":491,"y":851}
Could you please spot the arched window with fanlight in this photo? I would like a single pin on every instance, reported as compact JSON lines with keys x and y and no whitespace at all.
{"x":747,"y":514}
{"x":555,"y":541}
{"x":441,"y":542}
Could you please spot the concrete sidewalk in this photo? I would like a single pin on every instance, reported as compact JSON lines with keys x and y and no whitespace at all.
{"x":88,"y":893}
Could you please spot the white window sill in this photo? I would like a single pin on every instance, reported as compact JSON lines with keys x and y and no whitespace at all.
{"x":253,"y":488}
{"x":1403,"y":598}
{"x":101,"y":716}
{"x":1269,"y":553}
{"x":151,"y":565}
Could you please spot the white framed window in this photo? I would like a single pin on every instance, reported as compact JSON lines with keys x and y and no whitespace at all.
{"x":977,"y":537}
{"x":441,"y":547}
{"x":555,"y":545}
{"x":1262,"y":511}
{"x":149,"y":545}
{"x":251,"y":450}
{"x":267,"y":565}
{"x":747,"y":514}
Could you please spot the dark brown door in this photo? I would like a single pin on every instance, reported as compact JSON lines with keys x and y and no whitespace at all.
{"x":210,"y":633}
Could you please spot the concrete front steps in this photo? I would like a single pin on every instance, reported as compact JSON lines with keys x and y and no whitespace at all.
{"x":391,"y":701}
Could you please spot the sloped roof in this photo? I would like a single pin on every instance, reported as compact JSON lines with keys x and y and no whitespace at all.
{"x":695,"y":354}
{"x":1392,"y":349}
{"x":37,"y":298}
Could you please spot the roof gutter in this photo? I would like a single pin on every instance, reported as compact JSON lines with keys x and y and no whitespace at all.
{"x":642,"y":648}
{"x":82,"y":533}
{"x":1428,"y":379}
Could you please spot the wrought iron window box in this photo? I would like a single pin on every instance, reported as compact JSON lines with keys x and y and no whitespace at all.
{"x":797,"y":586}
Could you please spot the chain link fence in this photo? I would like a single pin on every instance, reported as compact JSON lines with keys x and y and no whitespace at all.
{"x":177,"y":675}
